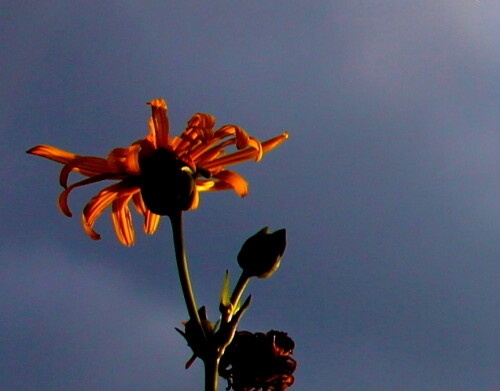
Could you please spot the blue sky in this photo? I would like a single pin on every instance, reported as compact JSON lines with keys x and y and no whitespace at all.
{"x":388,"y":187}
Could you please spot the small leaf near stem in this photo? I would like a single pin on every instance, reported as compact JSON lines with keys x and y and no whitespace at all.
{"x":225,"y":299}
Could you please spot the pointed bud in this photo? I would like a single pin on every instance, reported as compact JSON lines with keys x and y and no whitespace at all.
{"x":260,"y":255}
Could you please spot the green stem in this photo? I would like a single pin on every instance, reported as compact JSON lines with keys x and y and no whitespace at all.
{"x":211,"y":362}
{"x":211,"y":373}
{"x":182,"y":268}
{"x":239,"y":288}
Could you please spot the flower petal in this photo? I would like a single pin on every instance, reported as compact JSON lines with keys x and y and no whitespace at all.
{"x":52,"y":153}
{"x":63,"y":197}
{"x":239,"y":134}
{"x":227,"y":179}
{"x":100,"y":202}
{"x":86,"y":165}
{"x":151,"y":137}
{"x":185,"y":142}
{"x":161,"y":124}
{"x":139,"y":203}
{"x":132,"y":161}
{"x":151,"y":220}
{"x":242,"y":139}
{"x":255,"y":144}
{"x":198,"y":134}
{"x":196,"y":200}
{"x":205,"y":153}
{"x":122,"y":220}
{"x":125,"y":160}
{"x":203,"y":124}
{"x":245,"y":154}
{"x":116,"y":159}
{"x":204,"y":184}
{"x":272,"y":143}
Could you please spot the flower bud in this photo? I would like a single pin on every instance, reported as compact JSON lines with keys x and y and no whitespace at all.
{"x":260,"y":255}
{"x":167,"y":183}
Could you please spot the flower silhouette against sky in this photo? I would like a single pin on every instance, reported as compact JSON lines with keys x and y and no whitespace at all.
{"x":159,"y":174}
{"x":259,"y":361}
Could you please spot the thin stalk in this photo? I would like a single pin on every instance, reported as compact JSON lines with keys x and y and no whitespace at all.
{"x":211,"y":373}
{"x":239,"y":288}
{"x":182,"y":268}
{"x":211,"y":362}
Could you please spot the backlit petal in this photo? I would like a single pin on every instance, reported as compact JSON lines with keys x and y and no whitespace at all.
{"x":255,"y":144}
{"x":246,"y":154}
{"x":132,"y":161}
{"x":272,"y":143}
{"x":186,"y":141}
{"x":227,"y":179}
{"x":241,"y":137}
{"x":100,"y":202}
{"x":151,"y":220}
{"x":87,"y":165}
{"x":116,"y":159}
{"x":204,"y":124}
{"x":161,"y":124}
{"x":63,"y":197}
{"x":52,"y":153}
{"x":196,"y":200}
{"x":139,"y":203}
{"x":205,"y":153}
{"x":204,"y":184}
{"x":122,"y":220}
{"x":152,"y":133}
{"x":125,"y":160}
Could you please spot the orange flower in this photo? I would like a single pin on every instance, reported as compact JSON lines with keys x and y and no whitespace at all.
{"x":160,"y":173}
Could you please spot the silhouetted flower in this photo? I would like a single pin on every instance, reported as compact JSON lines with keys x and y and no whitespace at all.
{"x":259,"y":361}
{"x":160,"y":174}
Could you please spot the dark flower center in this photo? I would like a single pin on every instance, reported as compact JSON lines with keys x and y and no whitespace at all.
{"x":166,"y":182}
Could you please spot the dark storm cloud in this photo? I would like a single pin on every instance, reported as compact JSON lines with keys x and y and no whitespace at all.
{"x":388,"y":187}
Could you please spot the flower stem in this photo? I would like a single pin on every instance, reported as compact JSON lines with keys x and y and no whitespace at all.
{"x":239,"y":288}
{"x":210,"y":361}
{"x":211,"y":374}
{"x":182,"y":268}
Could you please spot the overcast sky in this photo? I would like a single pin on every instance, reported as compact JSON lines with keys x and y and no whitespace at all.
{"x":389,"y":187}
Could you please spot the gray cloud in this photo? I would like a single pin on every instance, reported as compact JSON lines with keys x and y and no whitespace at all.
{"x":69,"y":325}
{"x":388,"y":187}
